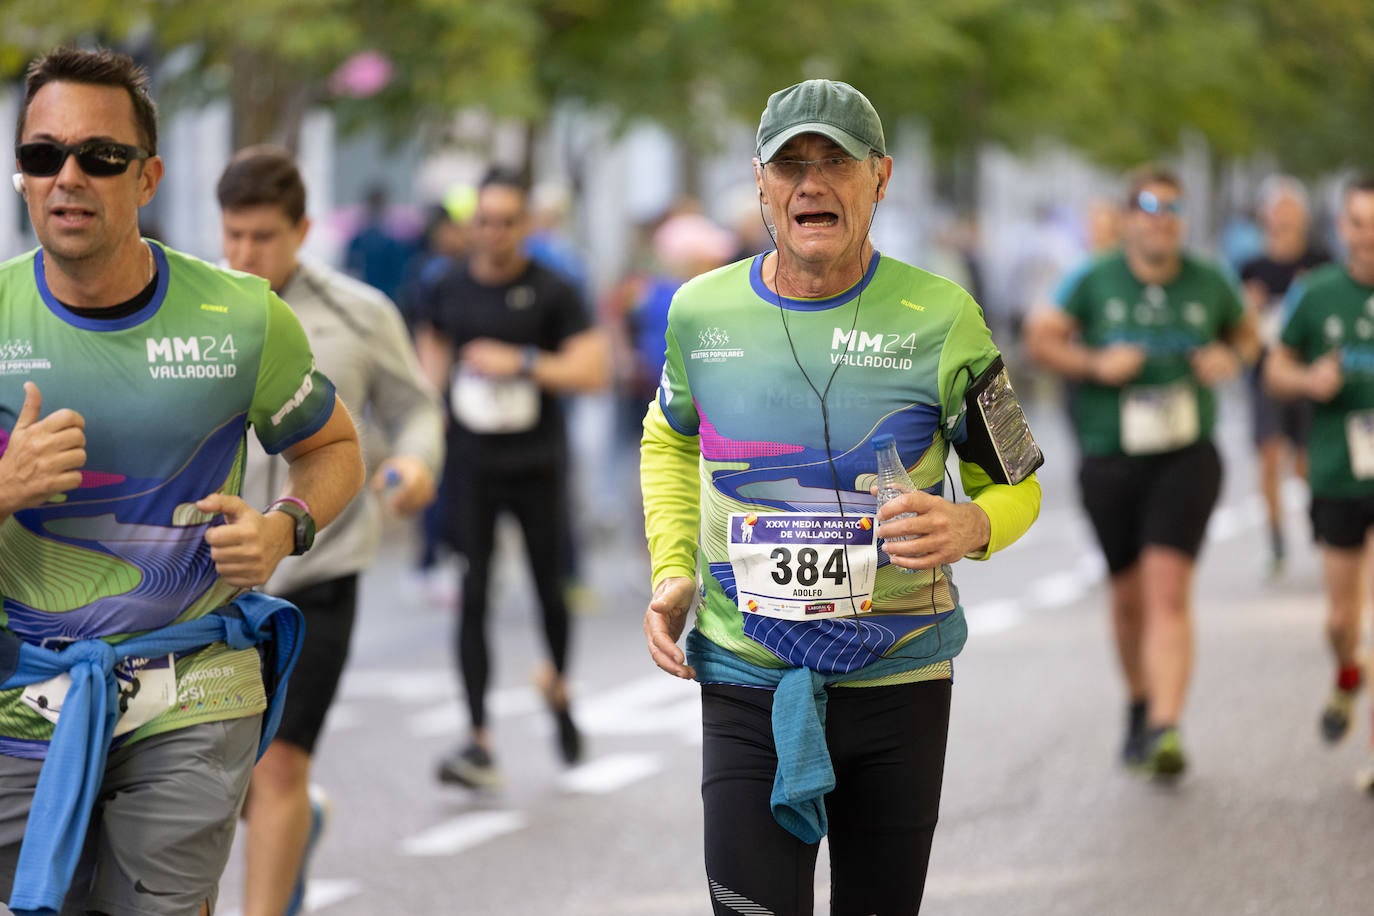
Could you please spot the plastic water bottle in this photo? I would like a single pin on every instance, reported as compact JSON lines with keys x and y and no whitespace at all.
{"x":893,"y":480}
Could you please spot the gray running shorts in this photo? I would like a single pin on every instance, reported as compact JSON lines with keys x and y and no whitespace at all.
{"x":161,"y":832}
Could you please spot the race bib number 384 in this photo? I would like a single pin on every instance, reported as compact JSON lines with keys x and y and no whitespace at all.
{"x":803,"y":566}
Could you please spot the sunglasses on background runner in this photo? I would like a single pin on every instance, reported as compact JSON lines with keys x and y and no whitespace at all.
{"x":1147,"y":202}
{"x":97,"y":158}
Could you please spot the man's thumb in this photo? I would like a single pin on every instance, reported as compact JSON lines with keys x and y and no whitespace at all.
{"x":219,"y":504}
{"x":33,"y":405}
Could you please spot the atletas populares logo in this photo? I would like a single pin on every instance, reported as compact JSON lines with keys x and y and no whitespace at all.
{"x":713,"y":346}
{"x":16,"y":356}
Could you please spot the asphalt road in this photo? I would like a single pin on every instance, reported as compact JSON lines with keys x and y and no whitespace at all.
{"x":1037,"y":818}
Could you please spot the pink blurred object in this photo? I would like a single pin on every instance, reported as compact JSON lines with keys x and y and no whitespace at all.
{"x":691,"y":243}
{"x":404,"y":221}
{"x":363,"y":75}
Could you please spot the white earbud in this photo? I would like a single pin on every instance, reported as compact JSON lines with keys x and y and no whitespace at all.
{"x":18,"y":181}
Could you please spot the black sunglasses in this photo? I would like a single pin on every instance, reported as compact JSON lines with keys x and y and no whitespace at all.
{"x":97,"y":158}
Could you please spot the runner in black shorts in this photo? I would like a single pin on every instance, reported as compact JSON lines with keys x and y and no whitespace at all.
{"x":1280,"y":425}
{"x":1162,"y":500}
{"x":358,"y":336}
{"x":1145,"y":333}
{"x":329,"y":608}
{"x":1325,"y":353}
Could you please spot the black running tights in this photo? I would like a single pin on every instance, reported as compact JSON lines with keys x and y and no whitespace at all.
{"x":537,"y":500}
{"x":887,"y":745}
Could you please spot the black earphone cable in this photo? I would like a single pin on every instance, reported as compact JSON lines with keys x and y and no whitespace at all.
{"x":821,"y":395}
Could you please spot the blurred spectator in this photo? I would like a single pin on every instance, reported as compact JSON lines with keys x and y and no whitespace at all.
{"x":1050,"y":247}
{"x":964,"y":237}
{"x":446,"y":241}
{"x":548,"y":245}
{"x":1102,"y":225}
{"x":745,"y":217}
{"x":684,"y":246}
{"x":617,"y":307}
{"x":548,"y":242}
{"x":948,"y":255}
{"x":1280,"y":427}
{"x":375,"y":254}
{"x":1240,"y":239}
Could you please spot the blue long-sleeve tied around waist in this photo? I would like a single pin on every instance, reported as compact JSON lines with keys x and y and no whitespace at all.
{"x":805,"y":774}
{"x":74,"y":768}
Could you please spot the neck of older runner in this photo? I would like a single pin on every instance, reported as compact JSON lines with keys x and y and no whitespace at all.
{"x":799,"y":279}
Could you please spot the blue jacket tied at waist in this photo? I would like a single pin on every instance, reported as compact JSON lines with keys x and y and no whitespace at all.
{"x":72,"y":774}
{"x":805,"y":774}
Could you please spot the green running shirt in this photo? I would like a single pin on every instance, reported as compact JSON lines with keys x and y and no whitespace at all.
{"x":1171,"y":321}
{"x":1327,"y":309}
{"x":739,"y":408}
{"x":168,"y":394}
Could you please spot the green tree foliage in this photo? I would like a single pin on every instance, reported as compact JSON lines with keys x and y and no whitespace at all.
{"x":1118,"y":79}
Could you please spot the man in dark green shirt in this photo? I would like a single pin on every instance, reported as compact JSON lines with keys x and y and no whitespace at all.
{"x":1326,"y":354}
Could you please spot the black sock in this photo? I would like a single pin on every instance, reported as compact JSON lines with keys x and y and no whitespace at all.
{"x":1135,"y":716}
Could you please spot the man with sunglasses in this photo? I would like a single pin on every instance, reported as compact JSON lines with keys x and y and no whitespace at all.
{"x":130,"y":377}
{"x":504,"y":337}
{"x":1144,"y":334}
{"x":1325,"y":353}
{"x":825,"y":659}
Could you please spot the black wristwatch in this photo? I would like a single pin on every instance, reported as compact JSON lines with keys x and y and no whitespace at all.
{"x":305,"y":522}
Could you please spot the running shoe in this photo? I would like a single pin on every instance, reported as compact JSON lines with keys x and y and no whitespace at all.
{"x":569,"y":738}
{"x":472,"y":767}
{"x":1276,"y":554}
{"x":1137,"y":742}
{"x":319,"y":817}
{"x":1164,"y":758}
{"x":1364,"y":779}
{"x":1335,"y":719}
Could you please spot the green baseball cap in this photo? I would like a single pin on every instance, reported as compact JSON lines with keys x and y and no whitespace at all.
{"x":827,"y":107}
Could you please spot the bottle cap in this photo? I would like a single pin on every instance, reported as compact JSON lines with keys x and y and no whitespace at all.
{"x":882,"y":441}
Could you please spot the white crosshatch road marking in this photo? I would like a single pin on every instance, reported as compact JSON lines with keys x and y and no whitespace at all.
{"x":610,"y":774}
{"x":453,"y":836}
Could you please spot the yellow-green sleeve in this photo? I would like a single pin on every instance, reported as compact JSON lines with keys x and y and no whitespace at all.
{"x":669,"y":480}
{"x":1011,"y":509}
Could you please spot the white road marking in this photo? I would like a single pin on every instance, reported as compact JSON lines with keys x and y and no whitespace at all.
{"x":1056,"y":590}
{"x":649,"y":705}
{"x":610,"y":774}
{"x":448,"y":716}
{"x":399,"y":685}
{"x":343,"y":716}
{"x":323,"y":892}
{"x":993,"y":616}
{"x":982,"y":883}
{"x":461,"y":833}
